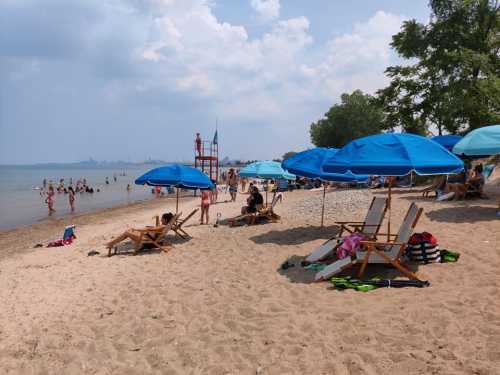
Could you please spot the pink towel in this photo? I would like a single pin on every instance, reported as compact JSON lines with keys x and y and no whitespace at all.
{"x":349,"y":245}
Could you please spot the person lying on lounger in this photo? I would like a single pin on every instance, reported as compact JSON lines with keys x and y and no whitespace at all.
{"x":135,"y":234}
{"x":254,"y":202}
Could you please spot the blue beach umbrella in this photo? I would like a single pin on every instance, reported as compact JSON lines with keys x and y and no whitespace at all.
{"x":309,"y":164}
{"x":447,"y":141}
{"x":178,"y":175}
{"x":484,"y":141}
{"x":266,"y":169}
{"x":392,"y":154}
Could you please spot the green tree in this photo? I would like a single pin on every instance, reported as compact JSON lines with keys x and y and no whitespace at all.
{"x":288,"y":154}
{"x":356,"y":116}
{"x":454,"y":82}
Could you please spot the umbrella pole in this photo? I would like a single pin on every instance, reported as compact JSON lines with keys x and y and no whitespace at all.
{"x":323,"y":208}
{"x":267,"y":187}
{"x":389,"y":204}
{"x":177,"y":201}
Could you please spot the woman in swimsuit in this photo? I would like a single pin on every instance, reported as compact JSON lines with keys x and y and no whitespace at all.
{"x":71,"y":198}
{"x":50,"y":201}
{"x":205,"y":205}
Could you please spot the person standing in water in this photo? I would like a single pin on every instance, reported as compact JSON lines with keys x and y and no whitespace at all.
{"x":50,"y":201}
{"x":71,"y":198}
{"x":129,"y":188}
{"x":107,"y":180}
{"x":114,"y":177}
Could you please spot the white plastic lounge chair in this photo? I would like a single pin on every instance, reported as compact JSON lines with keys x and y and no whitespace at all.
{"x":369,"y":228}
{"x":388,"y":252}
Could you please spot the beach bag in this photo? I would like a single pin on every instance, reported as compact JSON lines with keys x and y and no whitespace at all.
{"x":423,"y":248}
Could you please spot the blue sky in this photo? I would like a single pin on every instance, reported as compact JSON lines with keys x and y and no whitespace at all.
{"x":132,"y":79}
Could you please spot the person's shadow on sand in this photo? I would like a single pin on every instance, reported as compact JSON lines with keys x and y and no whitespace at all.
{"x":297,"y":235}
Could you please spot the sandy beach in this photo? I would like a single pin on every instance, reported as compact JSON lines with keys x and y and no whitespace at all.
{"x":219,"y":303}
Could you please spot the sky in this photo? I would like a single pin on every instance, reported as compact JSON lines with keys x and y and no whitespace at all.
{"x":134,"y":79}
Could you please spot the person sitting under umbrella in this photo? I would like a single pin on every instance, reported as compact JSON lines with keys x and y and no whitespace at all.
{"x":254,"y":202}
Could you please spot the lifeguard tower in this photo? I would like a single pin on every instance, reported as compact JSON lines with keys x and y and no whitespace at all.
{"x":206,"y":158}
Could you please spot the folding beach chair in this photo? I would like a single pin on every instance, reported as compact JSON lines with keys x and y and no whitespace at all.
{"x":369,"y":227}
{"x":265,"y":211}
{"x":177,"y":226}
{"x":148,"y":235}
{"x":268,"y":211}
{"x":373,"y":251}
{"x":432,"y":188}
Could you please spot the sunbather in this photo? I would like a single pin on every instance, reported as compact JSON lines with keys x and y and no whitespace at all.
{"x":135,"y":234}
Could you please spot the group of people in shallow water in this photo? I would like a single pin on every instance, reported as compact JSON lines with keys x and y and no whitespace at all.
{"x":49,"y":190}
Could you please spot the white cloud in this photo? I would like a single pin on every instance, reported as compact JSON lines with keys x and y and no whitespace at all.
{"x":155,"y":53}
{"x":266,"y":9}
{"x":358,"y":59}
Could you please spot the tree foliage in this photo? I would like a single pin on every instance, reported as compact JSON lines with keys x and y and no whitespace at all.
{"x":454,"y":82}
{"x":288,"y":155}
{"x":356,"y":116}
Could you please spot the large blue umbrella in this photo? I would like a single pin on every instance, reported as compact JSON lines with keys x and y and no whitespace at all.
{"x":392,"y":154}
{"x":309,"y":164}
{"x":447,"y":141}
{"x":266,"y":169}
{"x":484,"y":141}
{"x":178,"y":175}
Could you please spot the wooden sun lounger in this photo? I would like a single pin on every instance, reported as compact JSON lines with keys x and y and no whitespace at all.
{"x":388,"y":252}
{"x":148,"y":235}
{"x":266,"y":212}
{"x":177,"y":226}
{"x":369,"y":227}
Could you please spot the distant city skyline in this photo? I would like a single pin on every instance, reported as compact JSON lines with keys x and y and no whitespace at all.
{"x":128,"y":79}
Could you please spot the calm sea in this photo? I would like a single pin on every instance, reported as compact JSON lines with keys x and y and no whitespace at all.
{"x":21,"y":203}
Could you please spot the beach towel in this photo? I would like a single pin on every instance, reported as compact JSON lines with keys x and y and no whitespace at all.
{"x":374,"y":283}
{"x":343,"y":283}
{"x":448,"y":256}
{"x":68,"y":237}
{"x":349,"y":245}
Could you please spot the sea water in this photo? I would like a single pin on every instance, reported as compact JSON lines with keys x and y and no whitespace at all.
{"x":21,"y":203}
